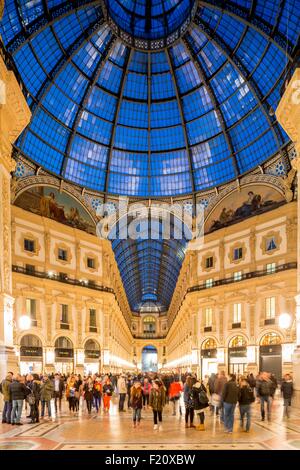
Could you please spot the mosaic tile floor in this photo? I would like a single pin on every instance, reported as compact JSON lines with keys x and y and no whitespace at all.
{"x":115,"y":432}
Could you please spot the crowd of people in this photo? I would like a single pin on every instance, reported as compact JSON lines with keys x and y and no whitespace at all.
{"x":217,"y":394}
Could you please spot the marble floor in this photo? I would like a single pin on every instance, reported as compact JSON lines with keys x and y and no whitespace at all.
{"x":114,"y":431}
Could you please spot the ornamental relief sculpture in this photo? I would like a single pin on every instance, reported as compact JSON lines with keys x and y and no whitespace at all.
{"x":6,"y":233}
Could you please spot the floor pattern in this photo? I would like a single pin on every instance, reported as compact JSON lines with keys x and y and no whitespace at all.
{"x":114,"y":431}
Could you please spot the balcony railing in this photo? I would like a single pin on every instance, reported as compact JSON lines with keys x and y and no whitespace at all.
{"x":244,"y":277}
{"x":60,"y":278}
{"x":149,"y":336}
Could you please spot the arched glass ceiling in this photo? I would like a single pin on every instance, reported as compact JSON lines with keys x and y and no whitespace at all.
{"x":182,"y":119}
{"x":149,"y":19}
{"x":150,"y":265}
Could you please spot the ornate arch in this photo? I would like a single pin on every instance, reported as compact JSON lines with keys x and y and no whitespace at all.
{"x":21,"y":185}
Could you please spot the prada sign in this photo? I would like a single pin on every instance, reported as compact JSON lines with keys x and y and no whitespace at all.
{"x":31,"y":351}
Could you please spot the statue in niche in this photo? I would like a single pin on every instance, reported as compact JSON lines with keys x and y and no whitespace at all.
{"x":288,"y":184}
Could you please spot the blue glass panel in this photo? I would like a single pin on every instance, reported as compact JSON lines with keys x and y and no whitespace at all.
{"x":60,"y":106}
{"x":168,"y":185}
{"x":89,"y":153}
{"x":72,"y":83}
{"x":203,"y":128}
{"x":32,"y":73}
{"x":84,"y":175}
{"x":133,"y":114}
{"x":31,"y":10}
{"x":95,"y":128}
{"x":210,"y":16}
{"x":187,"y":77}
{"x":248,"y":129}
{"x":290,"y":20}
{"x":87,"y":59}
{"x":211,"y":58}
{"x":238,"y":105}
{"x":10,"y":25}
{"x":162,"y":86}
{"x":258,"y":152}
{"x":47,"y":49}
{"x":128,"y":185}
{"x":226,"y":82}
{"x":230,"y":30}
{"x":270,"y":68}
{"x":167,"y":139}
{"x":165,"y":114}
{"x":196,"y":104}
{"x":67,"y":30}
{"x":136,"y":86}
{"x":131,"y":139}
{"x":41,"y":152}
{"x":119,"y":53}
{"x":129,"y":163}
{"x":139,"y":62}
{"x":110,"y":77}
{"x":169,"y":163}
{"x":267,"y":9}
{"x":179,"y":54}
{"x":214,"y":175}
{"x":251,"y":49}
{"x":210,"y":152}
{"x":50,"y":130}
{"x":159,"y":62}
{"x":102,"y":104}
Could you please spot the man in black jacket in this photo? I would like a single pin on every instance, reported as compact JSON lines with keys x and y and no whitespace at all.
{"x":265,"y":390}
{"x":18,"y":392}
{"x":287,"y":390}
{"x":58,"y":386}
{"x":230,"y":398}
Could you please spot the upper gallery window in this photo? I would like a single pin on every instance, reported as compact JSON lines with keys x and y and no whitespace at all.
{"x":29,"y":245}
{"x":62,"y":254}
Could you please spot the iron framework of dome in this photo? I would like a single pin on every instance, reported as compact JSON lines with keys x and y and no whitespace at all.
{"x":166,"y":122}
{"x":168,"y":105}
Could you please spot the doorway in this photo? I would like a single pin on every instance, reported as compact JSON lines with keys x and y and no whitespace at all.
{"x":149,"y":359}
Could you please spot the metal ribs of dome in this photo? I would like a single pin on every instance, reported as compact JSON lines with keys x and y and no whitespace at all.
{"x":176,"y":121}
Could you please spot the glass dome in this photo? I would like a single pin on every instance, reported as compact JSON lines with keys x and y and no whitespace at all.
{"x":149,"y":19}
{"x":185,"y":118}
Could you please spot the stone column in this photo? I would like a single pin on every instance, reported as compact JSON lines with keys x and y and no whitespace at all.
{"x":14,"y":116}
{"x":288,"y":114}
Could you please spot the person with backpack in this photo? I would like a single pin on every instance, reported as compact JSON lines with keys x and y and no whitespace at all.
{"x":265,"y":390}
{"x":287,"y":390}
{"x":6,"y":413}
{"x":246,"y":398}
{"x":201,"y":401}
{"x":175,"y":390}
{"x":46,"y":393}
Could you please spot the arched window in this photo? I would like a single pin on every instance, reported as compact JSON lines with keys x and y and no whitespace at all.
{"x":31,"y":341}
{"x":270,"y":339}
{"x":209,"y":343}
{"x":63,"y":343}
{"x":149,"y":324}
{"x":238,"y":342}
